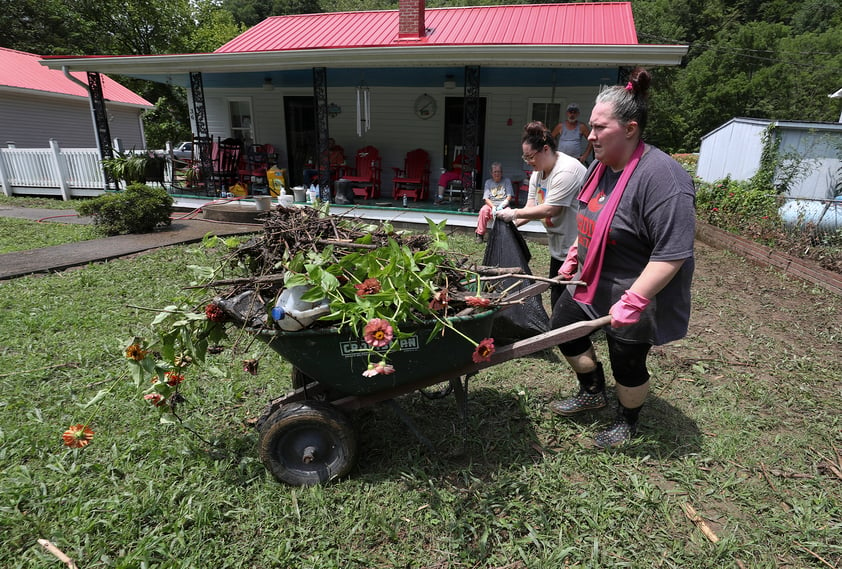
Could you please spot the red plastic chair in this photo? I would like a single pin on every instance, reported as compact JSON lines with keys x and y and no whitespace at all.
{"x":414,"y":179}
{"x":365,"y":176}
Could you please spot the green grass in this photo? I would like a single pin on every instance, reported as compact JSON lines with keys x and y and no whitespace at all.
{"x":22,"y":234}
{"x":743,"y":415}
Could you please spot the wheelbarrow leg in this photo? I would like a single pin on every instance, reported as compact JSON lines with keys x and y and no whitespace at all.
{"x":460,"y":392}
{"x":410,"y":424}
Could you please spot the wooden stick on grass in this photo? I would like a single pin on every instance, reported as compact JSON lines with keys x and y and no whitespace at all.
{"x":58,"y":553}
{"x":691,"y":514}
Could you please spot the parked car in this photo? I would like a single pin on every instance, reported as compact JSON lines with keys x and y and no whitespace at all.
{"x":181,"y":151}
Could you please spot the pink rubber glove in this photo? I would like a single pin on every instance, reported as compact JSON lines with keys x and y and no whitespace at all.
{"x":570,"y":264}
{"x":626,"y":311}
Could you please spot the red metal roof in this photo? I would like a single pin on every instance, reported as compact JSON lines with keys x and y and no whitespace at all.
{"x":599,"y":23}
{"x":21,"y":70}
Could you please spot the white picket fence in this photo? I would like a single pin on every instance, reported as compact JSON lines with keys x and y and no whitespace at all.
{"x":53,"y":171}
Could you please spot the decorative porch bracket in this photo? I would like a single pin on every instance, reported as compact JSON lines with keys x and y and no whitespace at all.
{"x":470,"y":135}
{"x":103,"y":133}
{"x":200,"y":117}
{"x":320,"y":96}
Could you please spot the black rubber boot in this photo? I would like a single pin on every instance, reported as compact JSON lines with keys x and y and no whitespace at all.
{"x":591,"y":394}
{"x":622,"y":431}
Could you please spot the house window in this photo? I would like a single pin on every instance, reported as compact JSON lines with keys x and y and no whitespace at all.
{"x":546,"y":111}
{"x":240,"y":114}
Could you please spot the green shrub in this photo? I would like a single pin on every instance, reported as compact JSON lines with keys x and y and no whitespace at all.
{"x":137,"y":209}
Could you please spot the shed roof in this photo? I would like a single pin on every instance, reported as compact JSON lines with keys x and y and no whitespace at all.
{"x":20,"y":70}
{"x":606,"y":23}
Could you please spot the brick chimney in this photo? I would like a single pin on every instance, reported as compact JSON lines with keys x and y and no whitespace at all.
{"x":411,"y":19}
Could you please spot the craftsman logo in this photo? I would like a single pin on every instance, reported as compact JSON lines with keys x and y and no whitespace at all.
{"x":360,"y":348}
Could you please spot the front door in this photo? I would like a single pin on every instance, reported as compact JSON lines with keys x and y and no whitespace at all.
{"x":453,"y":109}
{"x":302,"y":140}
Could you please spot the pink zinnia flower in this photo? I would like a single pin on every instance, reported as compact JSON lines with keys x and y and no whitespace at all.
{"x":155,"y":399}
{"x":378,"y":332}
{"x":479,"y":301}
{"x":368,"y":286}
{"x":484,"y":351}
{"x":381,"y":368}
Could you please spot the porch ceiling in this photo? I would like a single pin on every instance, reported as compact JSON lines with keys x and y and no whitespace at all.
{"x":174,"y":68}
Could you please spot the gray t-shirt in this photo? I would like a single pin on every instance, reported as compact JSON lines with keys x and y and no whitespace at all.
{"x":498,"y":192}
{"x":559,"y":188}
{"x":655,"y":221}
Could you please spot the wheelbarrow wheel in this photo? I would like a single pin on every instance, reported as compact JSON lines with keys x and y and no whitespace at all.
{"x":307,"y":443}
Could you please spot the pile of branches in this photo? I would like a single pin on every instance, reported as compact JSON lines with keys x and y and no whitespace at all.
{"x":287,"y":232}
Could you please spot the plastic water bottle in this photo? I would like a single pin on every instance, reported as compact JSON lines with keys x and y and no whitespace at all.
{"x":292,"y":314}
{"x":404,"y":200}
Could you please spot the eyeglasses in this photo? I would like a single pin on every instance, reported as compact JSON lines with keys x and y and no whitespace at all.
{"x":530,"y":157}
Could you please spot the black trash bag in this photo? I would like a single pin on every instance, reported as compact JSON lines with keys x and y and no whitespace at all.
{"x":507,"y":248}
{"x":344,"y":192}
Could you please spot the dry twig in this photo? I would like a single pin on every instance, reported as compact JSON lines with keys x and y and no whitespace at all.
{"x":58,"y":553}
{"x":691,"y":514}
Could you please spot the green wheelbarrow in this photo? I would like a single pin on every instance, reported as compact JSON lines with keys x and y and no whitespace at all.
{"x":306,"y":436}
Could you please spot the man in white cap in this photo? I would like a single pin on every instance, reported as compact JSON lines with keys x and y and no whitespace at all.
{"x":572,"y":136}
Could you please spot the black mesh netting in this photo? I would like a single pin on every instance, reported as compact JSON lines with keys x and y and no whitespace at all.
{"x":507,"y":248}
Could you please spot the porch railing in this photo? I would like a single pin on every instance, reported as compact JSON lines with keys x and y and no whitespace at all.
{"x":53,"y":171}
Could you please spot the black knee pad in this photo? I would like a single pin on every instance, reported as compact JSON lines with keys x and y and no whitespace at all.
{"x":628,"y":362}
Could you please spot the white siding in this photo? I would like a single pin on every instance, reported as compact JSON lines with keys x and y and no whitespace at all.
{"x":395,"y":129}
{"x":31,"y":120}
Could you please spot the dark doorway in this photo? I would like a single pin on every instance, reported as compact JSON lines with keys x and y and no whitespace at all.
{"x":302,"y":140}
{"x":453,"y":109}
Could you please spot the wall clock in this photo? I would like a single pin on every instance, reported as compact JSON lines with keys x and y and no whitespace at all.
{"x":425,"y":106}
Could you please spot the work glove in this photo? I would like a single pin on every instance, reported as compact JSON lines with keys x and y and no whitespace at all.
{"x":571,"y":264}
{"x":627,"y":310}
{"x":507,"y":214}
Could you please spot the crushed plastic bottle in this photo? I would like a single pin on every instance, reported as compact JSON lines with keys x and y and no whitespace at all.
{"x":292,"y":314}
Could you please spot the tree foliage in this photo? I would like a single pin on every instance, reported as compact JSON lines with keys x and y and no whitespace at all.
{"x":774,"y":59}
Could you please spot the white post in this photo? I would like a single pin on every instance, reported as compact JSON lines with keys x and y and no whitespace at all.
{"x":4,"y":178}
{"x":60,"y":169}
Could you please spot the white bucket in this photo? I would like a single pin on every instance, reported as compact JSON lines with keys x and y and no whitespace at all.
{"x":285,"y":200}
{"x":263,"y":203}
{"x":300,"y":193}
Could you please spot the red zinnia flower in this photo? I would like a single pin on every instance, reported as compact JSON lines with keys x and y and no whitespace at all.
{"x":368,"y":286}
{"x":479,"y":301}
{"x":484,"y":351}
{"x":214,"y":313}
{"x":77,"y":436}
{"x":173,"y":378}
{"x":378,"y":332}
{"x":135,"y":352}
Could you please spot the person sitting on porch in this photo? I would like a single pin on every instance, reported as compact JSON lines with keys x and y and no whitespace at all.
{"x":452,"y":175}
{"x":336,"y":158}
{"x":497,"y":194}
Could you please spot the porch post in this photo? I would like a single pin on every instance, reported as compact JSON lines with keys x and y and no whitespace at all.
{"x":103,"y":133}
{"x":200,"y":117}
{"x":60,"y":169}
{"x":470,"y":136}
{"x":322,"y":134}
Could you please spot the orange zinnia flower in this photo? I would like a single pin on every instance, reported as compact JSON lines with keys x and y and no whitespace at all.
{"x":214,"y":313}
{"x":378,"y":332}
{"x":77,"y":436}
{"x":135,"y":352}
{"x":155,"y":399}
{"x":173,"y":378}
{"x":479,"y":301}
{"x":484,"y":351}
{"x":368,"y":286}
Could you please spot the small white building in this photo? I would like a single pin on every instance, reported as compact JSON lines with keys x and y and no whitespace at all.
{"x":734,"y":149}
